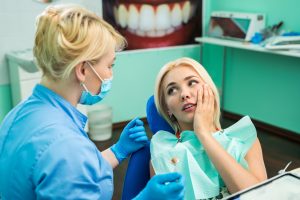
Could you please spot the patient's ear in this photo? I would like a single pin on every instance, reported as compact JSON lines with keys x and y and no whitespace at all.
{"x":80,"y":71}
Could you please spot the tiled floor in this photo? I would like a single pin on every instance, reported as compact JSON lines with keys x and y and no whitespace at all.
{"x":277,"y":153}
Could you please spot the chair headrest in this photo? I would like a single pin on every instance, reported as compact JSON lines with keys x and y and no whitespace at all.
{"x":155,"y":121}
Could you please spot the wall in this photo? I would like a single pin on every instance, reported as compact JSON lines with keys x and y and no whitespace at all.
{"x":134,"y":78}
{"x":264,"y":86}
{"x":17,"y":22}
{"x":134,"y":72}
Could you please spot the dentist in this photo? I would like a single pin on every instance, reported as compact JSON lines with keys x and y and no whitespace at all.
{"x":44,"y":151}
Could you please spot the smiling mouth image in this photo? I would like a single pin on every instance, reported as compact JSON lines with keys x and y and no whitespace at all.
{"x":155,"y":23}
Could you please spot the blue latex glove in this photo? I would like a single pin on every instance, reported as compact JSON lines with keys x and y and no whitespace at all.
{"x":163,"y":187}
{"x":133,"y":137}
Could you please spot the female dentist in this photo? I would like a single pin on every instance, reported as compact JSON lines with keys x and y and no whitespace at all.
{"x":44,"y":151}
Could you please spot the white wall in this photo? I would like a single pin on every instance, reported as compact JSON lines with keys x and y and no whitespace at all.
{"x":17,"y":25}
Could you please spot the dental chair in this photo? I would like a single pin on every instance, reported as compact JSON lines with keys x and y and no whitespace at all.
{"x":137,"y":174}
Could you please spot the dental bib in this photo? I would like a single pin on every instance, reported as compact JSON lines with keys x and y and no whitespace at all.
{"x":187,"y":156}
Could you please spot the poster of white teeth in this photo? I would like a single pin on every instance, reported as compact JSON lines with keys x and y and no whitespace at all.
{"x":155,"y":23}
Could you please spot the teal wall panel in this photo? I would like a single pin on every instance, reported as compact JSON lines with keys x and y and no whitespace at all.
{"x":5,"y":100}
{"x":262,"y":85}
{"x":134,"y":77}
{"x":213,"y":62}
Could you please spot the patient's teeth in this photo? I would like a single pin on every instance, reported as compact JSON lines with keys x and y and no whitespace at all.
{"x":176,"y":15}
{"x":133,"y":18}
{"x":147,"y":18}
{"x":186,"y":11}
{"x":163,"y":17}
{"x":122,"y":16}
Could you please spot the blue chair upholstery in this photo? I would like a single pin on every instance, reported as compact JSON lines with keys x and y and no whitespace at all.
{"x":155,"y":121}
{"x":137,"y":174}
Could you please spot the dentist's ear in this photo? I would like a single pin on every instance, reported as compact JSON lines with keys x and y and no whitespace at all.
{"x":80,"y":71}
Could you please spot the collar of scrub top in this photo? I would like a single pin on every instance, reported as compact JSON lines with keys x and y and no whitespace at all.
{"x":48,"y":95}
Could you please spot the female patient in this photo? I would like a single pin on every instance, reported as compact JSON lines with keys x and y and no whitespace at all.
{"x":215,"y":162}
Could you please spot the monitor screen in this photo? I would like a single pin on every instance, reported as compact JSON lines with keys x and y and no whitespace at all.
{"x":228,"y":27}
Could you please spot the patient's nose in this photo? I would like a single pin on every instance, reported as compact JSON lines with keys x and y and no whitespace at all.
{"x":185,"y":95}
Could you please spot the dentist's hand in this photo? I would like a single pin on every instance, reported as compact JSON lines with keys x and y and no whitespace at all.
{"x":133,"y":137}
{"x":163,"y":187}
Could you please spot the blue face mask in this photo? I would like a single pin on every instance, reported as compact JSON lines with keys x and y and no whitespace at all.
{"x":87,"y":98}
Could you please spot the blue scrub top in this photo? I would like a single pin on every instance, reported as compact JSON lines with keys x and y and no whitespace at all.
{"x":46,"y":154}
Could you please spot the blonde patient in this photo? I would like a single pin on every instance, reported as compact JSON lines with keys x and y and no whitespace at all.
{"x":214,"y":162}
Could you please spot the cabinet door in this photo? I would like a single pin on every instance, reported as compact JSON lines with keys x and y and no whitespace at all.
{"x":27,"y":87}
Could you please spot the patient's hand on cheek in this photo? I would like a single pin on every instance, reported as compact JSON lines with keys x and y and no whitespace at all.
{"x":203,"y":118}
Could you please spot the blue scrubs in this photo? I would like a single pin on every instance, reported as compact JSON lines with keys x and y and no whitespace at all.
{"x":46,"y":154}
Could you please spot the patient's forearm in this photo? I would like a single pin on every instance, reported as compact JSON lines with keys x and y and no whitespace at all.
{"x":234,"y":175}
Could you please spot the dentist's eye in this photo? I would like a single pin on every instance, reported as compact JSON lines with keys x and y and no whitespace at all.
{"x":111,"y":66}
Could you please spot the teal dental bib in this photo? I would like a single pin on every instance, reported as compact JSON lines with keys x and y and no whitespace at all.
{"x":202,"y":180}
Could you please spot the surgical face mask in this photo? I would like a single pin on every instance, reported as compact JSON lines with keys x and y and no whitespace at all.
{"x":87,"y":98}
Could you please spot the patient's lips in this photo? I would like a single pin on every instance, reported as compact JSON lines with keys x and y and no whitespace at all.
{"x":188,"y":107}
{"x":155,"y":23}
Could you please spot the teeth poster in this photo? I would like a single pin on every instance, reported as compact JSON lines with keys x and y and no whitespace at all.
{"x":155,"y":23}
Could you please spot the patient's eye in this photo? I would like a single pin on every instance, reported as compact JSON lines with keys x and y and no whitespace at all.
{"x":192,"y":82}
{"x":171,"y":90}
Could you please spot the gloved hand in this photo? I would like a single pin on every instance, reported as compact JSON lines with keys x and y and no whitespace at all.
{"x":133,"y":137}
{"x":163,"y":187}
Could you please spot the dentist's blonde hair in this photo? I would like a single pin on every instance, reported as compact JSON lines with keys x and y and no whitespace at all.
{"x":159,"y":95}
{"x":67,"y":35}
